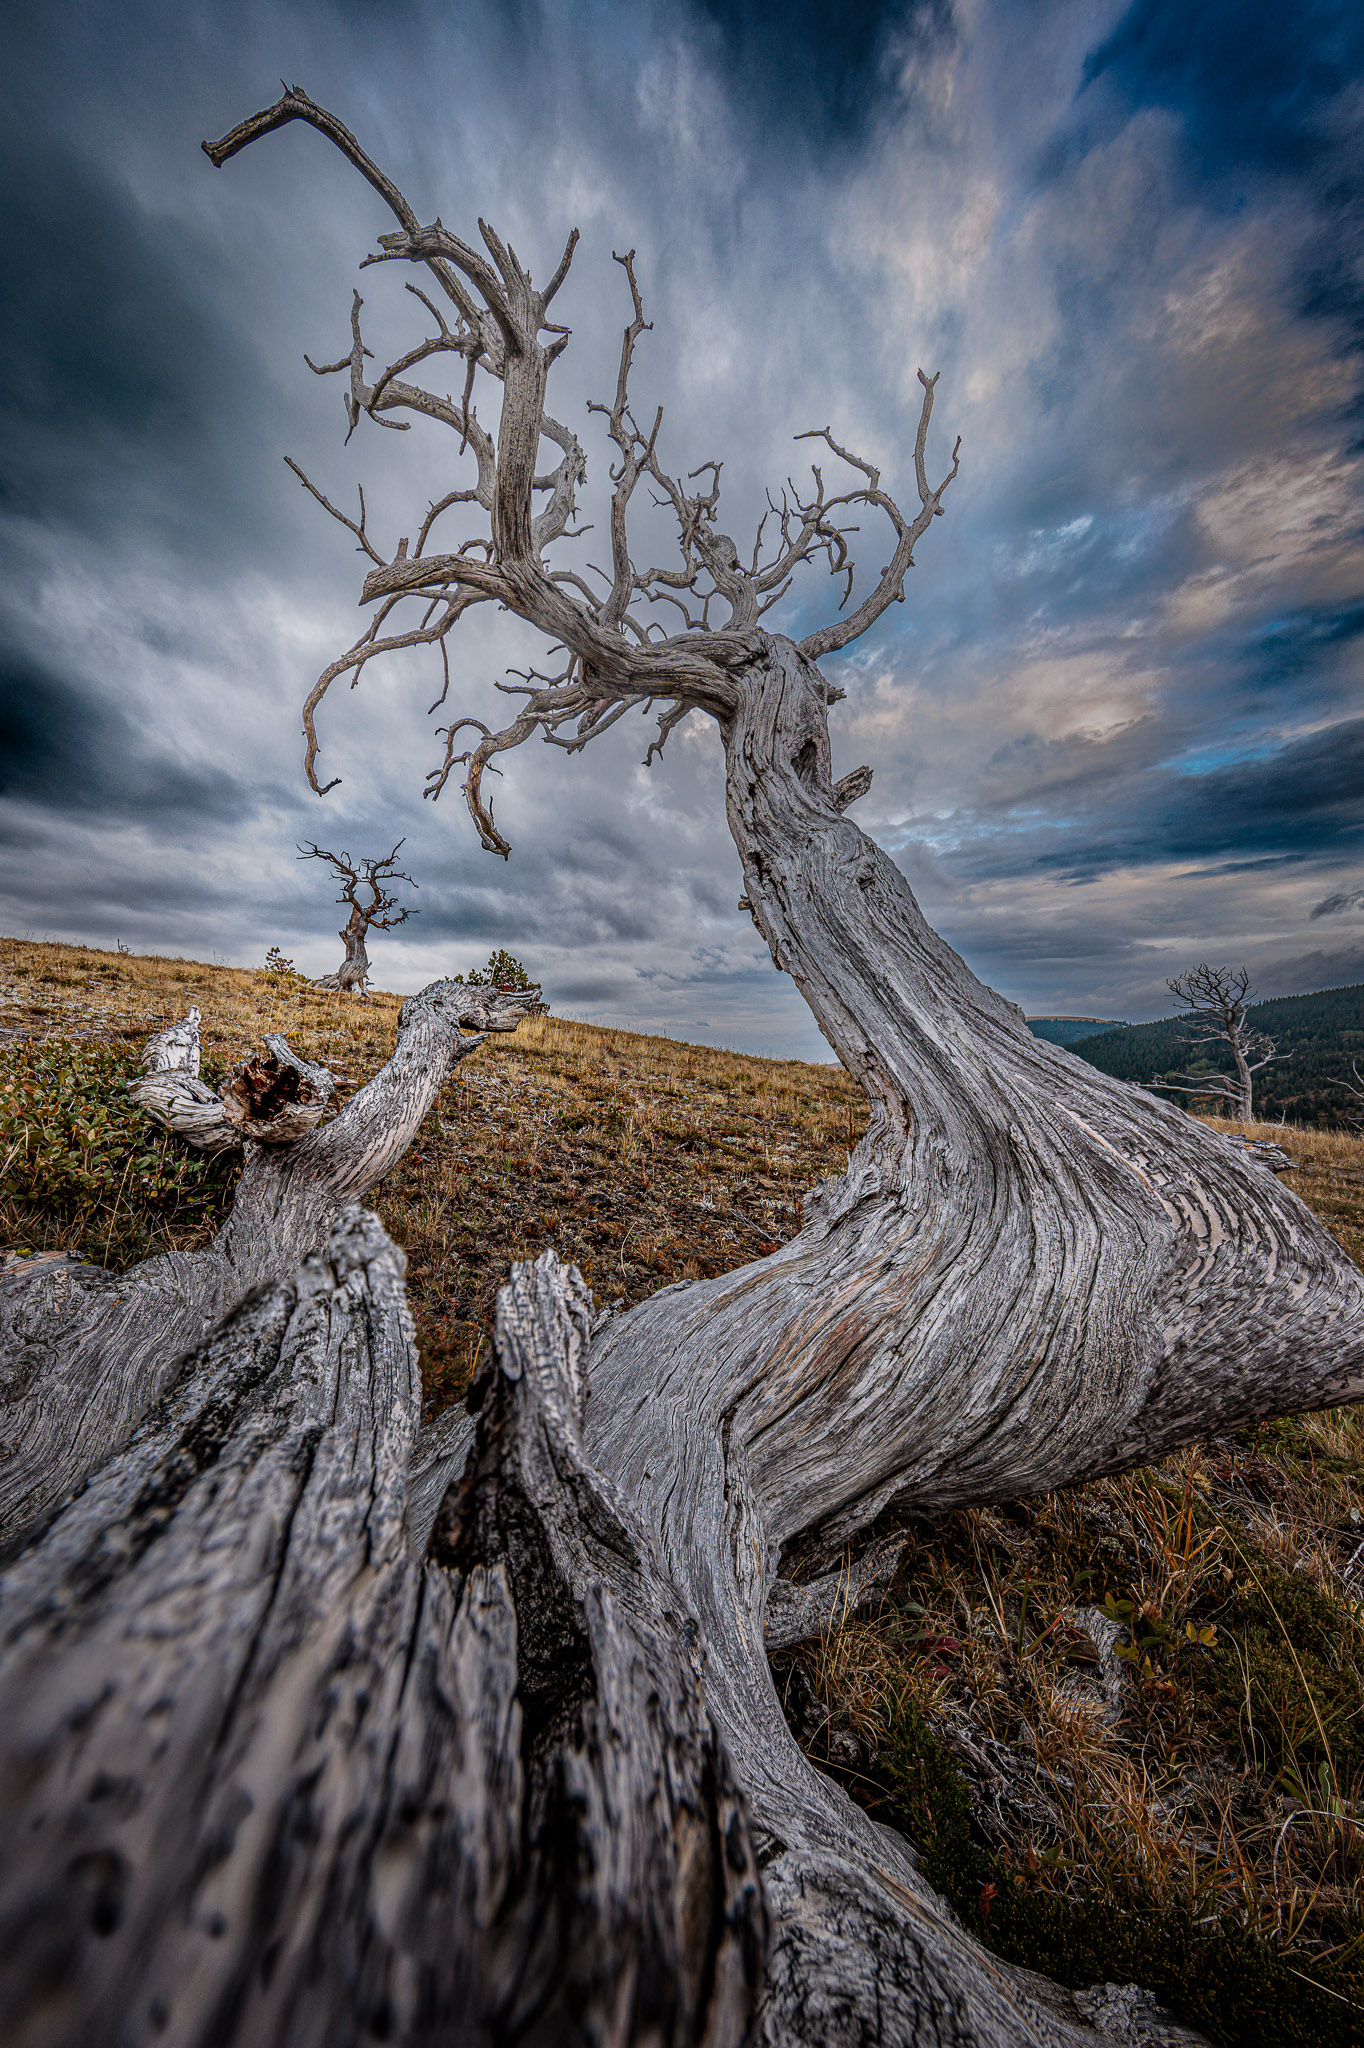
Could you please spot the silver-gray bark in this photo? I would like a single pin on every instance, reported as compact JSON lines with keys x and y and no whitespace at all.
{"x":84,"y":1353}
{"x":269,"y":1779}
{"x":1031,"y":1274}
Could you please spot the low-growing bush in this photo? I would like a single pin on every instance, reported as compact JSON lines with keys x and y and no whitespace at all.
{"x":503,"y":971}
{"x":1215,"y":1976}
{"x":82,"y":1166}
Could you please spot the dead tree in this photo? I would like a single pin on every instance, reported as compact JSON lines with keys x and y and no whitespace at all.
{"x":1217,"y":999}
{"x":378,"y":909}
{"x":529,"y":1780}
{"x":1355,"y":1088}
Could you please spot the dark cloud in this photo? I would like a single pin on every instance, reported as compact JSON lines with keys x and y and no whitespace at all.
{"x":1306,"y":798}
{"x":70,"y":749}
{"x":1250,"y":82}
{"x":1303,"y":801}
{"x":1337,"y":901}
{"x":817,"y":73}
{"x":1119,"y":710}
{"x":121,"y":388}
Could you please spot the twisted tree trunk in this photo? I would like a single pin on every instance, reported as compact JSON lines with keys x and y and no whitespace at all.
{"x":353,"y":973}
{"x":1031,"y":1274}
{"x":275,"y":1777}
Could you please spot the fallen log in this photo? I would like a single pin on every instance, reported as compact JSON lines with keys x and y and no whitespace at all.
{"x":86,"y":1352}
{"x":270,"y":1779}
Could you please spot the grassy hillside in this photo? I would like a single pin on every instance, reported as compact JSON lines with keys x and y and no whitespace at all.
{"x":1322,"y":1033}
{"x":1182,"y":1809}
{"x":643,"y":1159}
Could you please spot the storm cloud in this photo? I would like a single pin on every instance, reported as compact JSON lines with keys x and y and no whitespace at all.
{"x":1115,"y":727}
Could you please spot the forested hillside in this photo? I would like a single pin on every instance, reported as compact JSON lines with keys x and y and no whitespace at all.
{"x":1321,"y":1033}
{"x":1065,"y":1030}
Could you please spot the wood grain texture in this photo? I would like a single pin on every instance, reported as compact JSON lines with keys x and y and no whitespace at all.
{"x":1031,"y":1274}
{"x":84,"y":1353}
{"x":269,"y":1778}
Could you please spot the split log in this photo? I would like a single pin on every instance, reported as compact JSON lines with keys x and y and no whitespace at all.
{"x":272,"y":1779}
{"x":85,"y":1353}
{"x":273,"y":1097}
{"x":269,"y":1779}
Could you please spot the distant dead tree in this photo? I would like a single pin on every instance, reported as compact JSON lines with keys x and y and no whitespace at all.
{"x":1217,"y":999}
{"x":1356,"y":1088}
{"x":318,"y":1727}
{"x":377,"y":909}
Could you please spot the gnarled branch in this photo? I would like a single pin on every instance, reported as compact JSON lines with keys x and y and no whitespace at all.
{"x":620,"y":653}
{"x":88,"y":1352}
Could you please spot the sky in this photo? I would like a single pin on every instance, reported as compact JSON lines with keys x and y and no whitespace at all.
{"x":1116,"y":726}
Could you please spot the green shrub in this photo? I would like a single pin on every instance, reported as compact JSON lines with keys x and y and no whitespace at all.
{"x":279,"y":973}
{"x":84,"y":1169}
{"x":503,"y":970}
{"x":1236,"y":1989}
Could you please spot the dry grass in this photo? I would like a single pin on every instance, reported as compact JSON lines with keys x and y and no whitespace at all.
{"x":645,"y":1160}
{"x":1216,"y":1779}
{"x":1215,"y":1783}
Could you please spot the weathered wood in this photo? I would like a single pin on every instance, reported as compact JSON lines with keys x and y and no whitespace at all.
{"x":268,"y":1779}
{"x":273,"y":1097}
{"x":171,"y":1094}
{"x":84,"y":1353}
{"x":1030,"y":1274}
{"x":796,"y":1611}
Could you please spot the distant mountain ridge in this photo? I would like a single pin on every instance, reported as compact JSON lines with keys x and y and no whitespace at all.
{"x":1322,"y":1032}
{"x":1065,"y":1030}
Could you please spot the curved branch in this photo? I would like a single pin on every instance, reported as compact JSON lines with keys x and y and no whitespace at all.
{"x":364,"y":650}
{"x":444,"y":254}
{"x":101,"y":1348}
{"x":891,"y":587}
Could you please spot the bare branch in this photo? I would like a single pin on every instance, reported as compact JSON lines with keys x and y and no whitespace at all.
{"x":668,"y":721}
{"x":370,"y":644}
{"x":622,"y":654}
{"x":477,"y":759}
{"x":1355,"y":1088}
{"x":890,"y":588}
{"x":327,"y":506}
